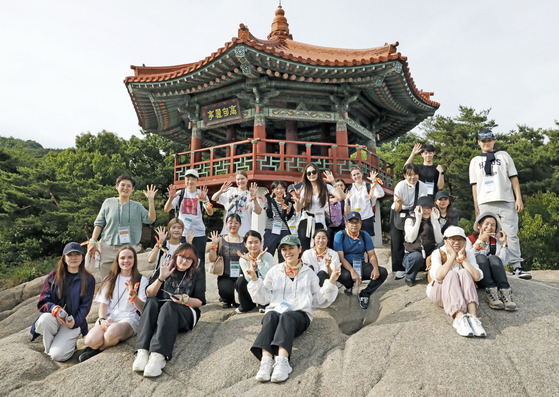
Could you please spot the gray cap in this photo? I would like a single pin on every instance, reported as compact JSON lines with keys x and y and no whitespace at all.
{"x":485,"y":215}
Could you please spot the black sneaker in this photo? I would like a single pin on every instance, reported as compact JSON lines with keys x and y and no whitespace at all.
{"x":364,"y":302}
{"x":88,"y":353}
{"x":521,"y":273}
{"x":409,"y":283}
{"x":226,"y":305}
{"x":348,"y":291}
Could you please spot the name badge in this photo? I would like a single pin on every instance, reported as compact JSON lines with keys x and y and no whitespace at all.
{"x":357,"y":267}
{"x":489,"y":185}
{"x":430,"y":188}
{"x":124,"y":235}
{"x":282,"y":307}
{"x":235,"y":269}
{"x":293,"y":229}
{"x":276,"y":228}
{"x":319,"y":218}
{"x":187,"y":223}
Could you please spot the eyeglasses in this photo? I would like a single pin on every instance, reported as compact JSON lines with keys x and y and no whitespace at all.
{"x":186,"y":259}
{"x":313,"y":172}
{"x":486,"y":135}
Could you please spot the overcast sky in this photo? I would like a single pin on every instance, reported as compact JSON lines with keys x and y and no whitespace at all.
{"x":64,"y":62}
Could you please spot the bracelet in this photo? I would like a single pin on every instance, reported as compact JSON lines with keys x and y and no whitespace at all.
{"x":102,"y":318}
{"x":161,"y":281}
{"x":461,"y":258}
{"x":214,"y":247}
{"x":505,"y":245}
{"x":55,"y":310}
{"x":185,"y":299}
{"x":132,"y":297}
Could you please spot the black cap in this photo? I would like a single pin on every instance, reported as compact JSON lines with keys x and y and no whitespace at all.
{"x":486,"y":133}
{"x":353,"y":215}
{"x":442,"y":193}
{"x":72,"y":247}
{"x":426,"y":201}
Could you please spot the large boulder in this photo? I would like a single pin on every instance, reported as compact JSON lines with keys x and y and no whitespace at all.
{"x":403,"y":345}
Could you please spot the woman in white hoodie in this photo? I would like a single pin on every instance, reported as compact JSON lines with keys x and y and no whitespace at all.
{"x":292,"y":292}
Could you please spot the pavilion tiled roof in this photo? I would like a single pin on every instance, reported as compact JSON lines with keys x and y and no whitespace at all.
{"x":281,"y":45}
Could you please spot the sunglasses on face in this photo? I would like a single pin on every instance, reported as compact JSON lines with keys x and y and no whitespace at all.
{"x":313,"y":172}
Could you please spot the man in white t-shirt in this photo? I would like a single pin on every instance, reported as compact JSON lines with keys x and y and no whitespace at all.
{"x":495,"y":188}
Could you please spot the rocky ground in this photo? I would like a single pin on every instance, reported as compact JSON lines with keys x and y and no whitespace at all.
{"x":401,"y":346}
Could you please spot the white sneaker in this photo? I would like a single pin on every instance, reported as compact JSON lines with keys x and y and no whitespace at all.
{"x":265,"y":371}
{"x":462,"y":326}
{"x":141,"y":360}
{"x":282,"y":369}
{"x":476,"y":326}
{"x":155,"y":364}
{"x":399,"y":274}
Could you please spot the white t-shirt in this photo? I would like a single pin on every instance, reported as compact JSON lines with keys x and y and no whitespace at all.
{"x":497,"y":186}
{"x":407,"y":193}
{"x":361,"y":202}
{"x":118,"y":304}
{"x":237,"y":202}
{"x":190,"y":213}
{"x":318,"y":211}
{"x":309,"y":258}
{"x":436,"y":263}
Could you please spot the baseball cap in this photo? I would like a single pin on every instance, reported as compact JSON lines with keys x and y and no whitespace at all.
{"x":441,"y":194}
{"x":486,"y":133}
{"x":353,"y":215}
{"x":453,"y":231}
{"x":72,"y":247}
{"x":193,"y":173}
{"x":290,"y":239}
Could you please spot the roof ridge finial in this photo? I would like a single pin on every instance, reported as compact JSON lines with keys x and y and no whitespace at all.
{"x":280,"y":27}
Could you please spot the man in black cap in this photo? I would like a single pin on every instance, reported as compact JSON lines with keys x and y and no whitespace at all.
{"x":430,"y":174}
{"x":422,"y":233}
{"x":351,"y":245}
{"x":495,"y":188}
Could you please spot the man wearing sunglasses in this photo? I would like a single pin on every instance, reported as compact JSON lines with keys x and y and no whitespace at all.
{"x":495,"y":188}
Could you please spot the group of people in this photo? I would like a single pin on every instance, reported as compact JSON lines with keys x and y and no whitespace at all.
{"x":322,"y":232}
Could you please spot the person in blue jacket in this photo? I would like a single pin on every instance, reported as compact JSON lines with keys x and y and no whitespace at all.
{"x":64,"y":302}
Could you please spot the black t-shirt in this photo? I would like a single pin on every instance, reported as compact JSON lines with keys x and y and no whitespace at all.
{"x":429,"y":174}
{"x":66,"y":301}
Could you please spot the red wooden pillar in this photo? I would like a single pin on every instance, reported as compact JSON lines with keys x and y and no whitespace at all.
{"x":230,"y":138}
{"x":341,"y":139}
{"x":260,"y":130}
{"x":291,"y":135}
{"x":195,"y":144}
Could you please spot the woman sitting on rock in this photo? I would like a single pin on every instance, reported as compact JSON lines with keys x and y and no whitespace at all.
{"x":175,"y":294}
{"x":256,"y":259}
{"x":291,"y":292}
{"x":121,"y":296}
{"x":320,"y":258}
{"x":454,"y":272}
{"x":489,"y":244}
{"x":64,"y":302}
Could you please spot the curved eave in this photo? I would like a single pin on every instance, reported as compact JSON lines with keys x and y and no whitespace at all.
{"x":385,"y":77}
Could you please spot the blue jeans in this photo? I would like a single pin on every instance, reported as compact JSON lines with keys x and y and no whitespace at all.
{"x":413,"y":263}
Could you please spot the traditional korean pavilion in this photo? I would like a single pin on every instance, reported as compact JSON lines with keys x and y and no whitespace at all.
{"x":270,"y":106}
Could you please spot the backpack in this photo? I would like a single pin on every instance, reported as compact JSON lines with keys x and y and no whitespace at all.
{"x":336,"y":214}
{"x":361,"y":236}
{"x":428,"y":263}
{"x":492,"y":244}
